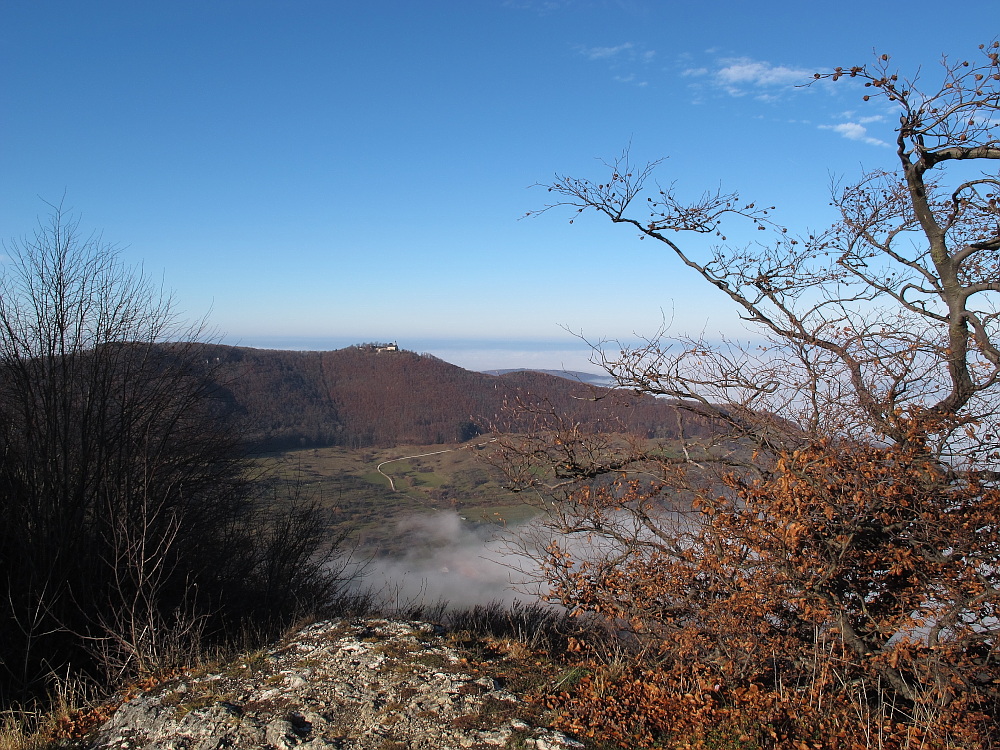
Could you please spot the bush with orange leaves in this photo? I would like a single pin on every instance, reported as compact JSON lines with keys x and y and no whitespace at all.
{"x":855,"y":588}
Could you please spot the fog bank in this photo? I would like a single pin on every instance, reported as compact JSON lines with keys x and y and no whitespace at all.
{"x":451,"y":560}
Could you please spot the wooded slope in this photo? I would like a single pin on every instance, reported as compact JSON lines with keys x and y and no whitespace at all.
{"x":358,"y":397}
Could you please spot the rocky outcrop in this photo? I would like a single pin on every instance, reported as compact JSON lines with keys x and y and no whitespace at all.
{"x":372,"y":684}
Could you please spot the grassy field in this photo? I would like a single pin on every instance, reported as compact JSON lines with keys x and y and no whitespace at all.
{"x":363,"y":504}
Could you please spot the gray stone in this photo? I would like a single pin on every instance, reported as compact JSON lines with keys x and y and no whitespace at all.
{"x":350,"y":685}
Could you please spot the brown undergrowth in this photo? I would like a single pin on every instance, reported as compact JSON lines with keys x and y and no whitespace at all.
{"x":649,"y":708}
{"x":847,"y":600}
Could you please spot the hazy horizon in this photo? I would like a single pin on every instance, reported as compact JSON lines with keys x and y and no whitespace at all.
{"x":479,"y":355}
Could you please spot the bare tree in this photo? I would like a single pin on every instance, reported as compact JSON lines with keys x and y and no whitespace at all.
{"x":131,"y":522}
{"x":850,"y":487}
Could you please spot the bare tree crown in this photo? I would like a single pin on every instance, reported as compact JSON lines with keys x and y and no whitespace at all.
{"x":896,"y":301}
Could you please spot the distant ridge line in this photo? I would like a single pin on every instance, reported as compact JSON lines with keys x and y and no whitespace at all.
{"x":592,"y":378}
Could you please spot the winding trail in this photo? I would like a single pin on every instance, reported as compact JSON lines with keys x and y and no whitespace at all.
{"x":392,"y":485}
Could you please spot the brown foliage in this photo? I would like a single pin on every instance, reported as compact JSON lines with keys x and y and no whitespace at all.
{"x":834,"y":586}
{"x":645,"y":708}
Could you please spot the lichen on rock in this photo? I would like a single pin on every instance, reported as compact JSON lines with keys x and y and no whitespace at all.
{"x":372,"y":684}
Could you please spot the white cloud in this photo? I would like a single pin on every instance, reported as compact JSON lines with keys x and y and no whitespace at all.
{"x":739,"y":76}
{"x":737,"y":73}
{"x":630,"y":78}
{"x":851,"y":115}
{"x":541,"y":7}
{"x":624,"y":58}
{"x":604,"y":53}
{"x":855,"y":131}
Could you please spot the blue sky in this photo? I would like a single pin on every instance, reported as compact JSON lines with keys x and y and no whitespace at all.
{"x":313,"y":174}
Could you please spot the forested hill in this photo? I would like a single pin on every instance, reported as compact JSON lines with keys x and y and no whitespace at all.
{"x":361,"y":397}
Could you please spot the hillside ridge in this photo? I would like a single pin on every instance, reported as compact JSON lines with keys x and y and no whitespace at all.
{"x":365,"y":397}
